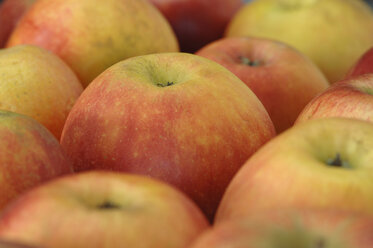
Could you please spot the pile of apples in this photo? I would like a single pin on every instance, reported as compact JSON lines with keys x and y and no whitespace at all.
{"x":186,"y":124}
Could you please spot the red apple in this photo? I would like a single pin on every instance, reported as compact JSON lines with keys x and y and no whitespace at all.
{"x":174,"y":116}
{"x":287,"y":229}
{"x":198,"y":22}
{"x":322,"y":163}
{"x":29,"y":155}
{"x":10,"y":13}
{"x":91,"y":35}
{"x":363,"y":65}
{"x":103,"y":210}
{"x":351,"y":98}
{"x":283,"y":79}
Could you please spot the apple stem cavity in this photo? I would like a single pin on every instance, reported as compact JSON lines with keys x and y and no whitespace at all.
{"x":166,"y":84}
{"x":338,"y":162}
{"x":320,"y":243}
{"x":108,"y":205}
{"x":249,"y":62}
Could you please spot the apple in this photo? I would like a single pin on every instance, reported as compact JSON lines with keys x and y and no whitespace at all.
{"x":10,"y":13}
{"x":4,"y":244}
{"x":91,"y":35}
{"x":103,"y":209}
{"x":350,"y":98}
{"x":322,"y":163}
{"x":37,"y":83}
{"x":198,"y":22}
{"x":291,"y":229}
{"x":282,"y":78}
{"x":333,"y":33}
{"x":177,"y":117}
{"x":363,"y":66}
{"x":29,"y":155}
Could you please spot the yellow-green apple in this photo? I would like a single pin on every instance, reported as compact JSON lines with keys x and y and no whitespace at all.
{"x":37,"y":83}
{"x":177,"y":117}
{"x":363,"y":66}
{"x":287,"y":229}
{"x":198,"y":22}
{"x":10,"y":13}
{"x":322,"y":163}
{"x":333,"y":33}
{"x":29,"y":155}
{"x":91,"y":35}
{"x":282,"y":78}
{"x":100,"y":209}
{"x":350,"y":98}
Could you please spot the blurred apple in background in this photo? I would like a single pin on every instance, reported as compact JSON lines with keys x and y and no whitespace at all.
{"x":103,"y":209}
{"x":350,"y":98}
{"x":29,"y":155}
{"x":287,"y":229}
{"x":333,"y":33}
{"x":4,"y":244}
{"x":322,"y":163}
{"x":283,"y":79}
{"x":91,"y":35}
{"x":10,"y":13}
{"x":363,"y":66}
{"x":37,"y":83}
{"x":175,"y":116}
{"x":198,"y":22}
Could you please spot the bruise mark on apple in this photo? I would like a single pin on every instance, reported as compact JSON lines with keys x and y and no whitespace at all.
{"x":246,"y":61}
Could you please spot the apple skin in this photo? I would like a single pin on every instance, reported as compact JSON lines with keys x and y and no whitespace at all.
{"x":320,"y":29}
{"x":198,"y":22}
{"x":103,"y":209}
{"x":4,"y":244}
{"x":10,"y":13}
{"x":363,"y":66}
{"x":29,"y":155}
{"x":350,"y":98}
{"x":306,"y":228}
{"x":283,"y":79}
{"x":321,"y":163}
{"x":37,"y":83}
{"x":91,"y":35}
{"x":193,"y":134}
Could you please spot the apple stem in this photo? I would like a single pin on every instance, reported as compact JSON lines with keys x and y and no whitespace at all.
{"x":249,"y":62}
{"x":108,"y":205}
{"x":165,"y":85}
{"x":338,"y":162}
{"x":320,"y":243}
